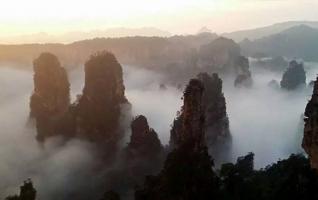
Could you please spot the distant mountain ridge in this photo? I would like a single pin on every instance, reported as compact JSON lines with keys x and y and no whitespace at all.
{"x":137,"y":50}
{"x":70,"y":37}
{"x":257,"y":33}
{"x":299,"y":41}
{"x":296,"y":42}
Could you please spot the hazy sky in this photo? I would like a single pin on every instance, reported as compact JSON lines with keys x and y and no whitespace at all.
{"x":177,"y":16}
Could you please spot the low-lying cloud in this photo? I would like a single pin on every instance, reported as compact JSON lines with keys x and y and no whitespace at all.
{"x":263,"y":120}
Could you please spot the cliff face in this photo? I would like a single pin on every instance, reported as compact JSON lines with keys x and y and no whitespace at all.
{"x":218,"y":136}
{"x":51,"y":97}
{"x":294,"y":76}
{"x":98,"y":109}
{"x":189,"y":125}
{"x":224,"y":56}
{"x":310,"y":139}
{"x":220,"y":53}
{"x":206,"y":91}
{"x":143,"y":156}
{"x":144,"y":141}
{"x":27,"y":192}
{"x":187,"y":172}
{"x":95,"y":115}
{"x":244,"y":76}
{"x":144,"y":153}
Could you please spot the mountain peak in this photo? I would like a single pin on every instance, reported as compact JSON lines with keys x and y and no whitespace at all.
{"x":257,"y":33}
{"x":302,"y":28}
{"x":204,"y":29}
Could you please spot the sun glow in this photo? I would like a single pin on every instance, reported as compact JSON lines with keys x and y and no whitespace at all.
{"x":19,"y":17}
{"x":80,"y":14}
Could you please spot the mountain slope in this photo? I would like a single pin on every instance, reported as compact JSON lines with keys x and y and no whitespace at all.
{"x":296,"y":42}
{"x":253,"y":34}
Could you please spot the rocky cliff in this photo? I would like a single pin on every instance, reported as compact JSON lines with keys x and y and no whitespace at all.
{"x":51,"y":97}
{"x":211,"y":115}
{"x":310,"y":139}
{"x":98,"y":109}
{"x":220,"y":53}
{"x":218,"y":136}
{"x":187,"y":172}
{"x":244,"y":76}
{"x":95,"y":115}
{"x":144,"y":153}
{"x":27,"y":192}
{"x":223,"y":56}
{"x":144,"y":141}
{"x":143,"y":156}
{"x":189,"y":124}
{"x":294,"y":77}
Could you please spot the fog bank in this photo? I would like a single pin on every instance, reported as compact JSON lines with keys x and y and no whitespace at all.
{"x":263,"y":120}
